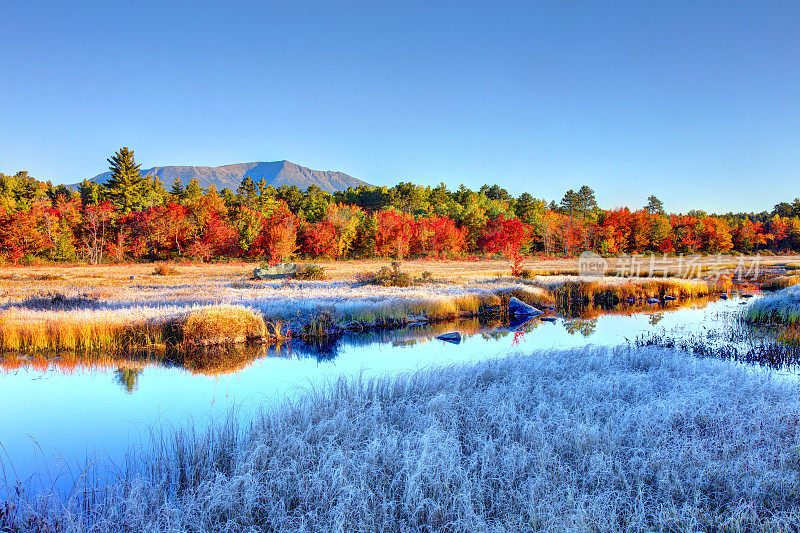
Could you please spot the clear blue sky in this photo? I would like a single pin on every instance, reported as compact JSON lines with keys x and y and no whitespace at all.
{"x":696,"y":102}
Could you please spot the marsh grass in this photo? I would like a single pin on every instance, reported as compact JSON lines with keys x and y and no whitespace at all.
{"x":781,"y":307}
{"x":629,"y":439}
{"x":130,"y":330}
{"x":574,"y":296}
{"x":780,"y":282}
{"x":223,"y":324}
{"x":309,"y":272}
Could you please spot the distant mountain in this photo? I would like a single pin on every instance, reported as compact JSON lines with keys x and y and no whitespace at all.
{"x":275,"y":173}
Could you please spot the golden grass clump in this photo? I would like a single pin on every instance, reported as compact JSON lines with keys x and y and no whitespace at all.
{"x":720,"y":285}
{"x":222,"y":324}
{"x":679,"y":288}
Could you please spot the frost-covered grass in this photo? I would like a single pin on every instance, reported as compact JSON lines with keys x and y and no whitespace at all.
{"x":629,"y":439}
{"x":782,"y":306}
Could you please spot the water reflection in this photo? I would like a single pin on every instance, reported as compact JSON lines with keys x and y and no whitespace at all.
{"x":128,"y":378}
{"x":576,"y":317}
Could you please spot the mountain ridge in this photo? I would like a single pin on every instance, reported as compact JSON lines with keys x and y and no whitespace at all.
{"x":275,"y":173}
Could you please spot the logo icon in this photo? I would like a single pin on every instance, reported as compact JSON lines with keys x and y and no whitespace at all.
{"x":591,"y":266}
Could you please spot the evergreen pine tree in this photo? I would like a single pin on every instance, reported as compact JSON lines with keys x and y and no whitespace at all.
{"x":127,"y":188}
{"x":570,"y":203}
{"x":193,"y":190}
{"x":246,"y":192}
{"x":177,"y":189}
{"x":654,"y":205}
{"x":90,"y":192}
{"x":587,"y":205}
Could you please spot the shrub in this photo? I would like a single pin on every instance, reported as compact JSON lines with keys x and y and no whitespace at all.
{"x":527,"y":273}
{"x":309,"y":272}
{"x":388,"y":277}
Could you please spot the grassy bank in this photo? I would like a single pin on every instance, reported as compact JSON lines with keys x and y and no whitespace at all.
{"x":781,"y":307}
{"x":634,"y":439}
{"x":129,"y":329}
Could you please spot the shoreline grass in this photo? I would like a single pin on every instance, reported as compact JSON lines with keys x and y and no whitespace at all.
{"x":781,"y":282}
{"x":154,"y":318}
{"x":781,"y":307}
{"x":625,"y":439}
{"x":130,"y":329}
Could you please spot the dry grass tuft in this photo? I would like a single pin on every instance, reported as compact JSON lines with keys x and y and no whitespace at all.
{"x":223,"y":324}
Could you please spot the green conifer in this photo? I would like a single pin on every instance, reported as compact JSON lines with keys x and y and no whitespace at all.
{"x":127,"y":188}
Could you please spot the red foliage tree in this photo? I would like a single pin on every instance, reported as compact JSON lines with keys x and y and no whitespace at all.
{"x":505,"y":236}
{"x":437,"y":236}
{"x":318,"y":239}
{"x":278,"y":237}
{"x":95,"y":229}
{"x":21,"y":232}
{"x":220,"y":236}
{"x":394,"y":233}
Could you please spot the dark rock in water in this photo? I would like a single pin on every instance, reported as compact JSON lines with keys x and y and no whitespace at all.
{"x":416,"y":321}
{"x":723,"y":297}
{"x":747,"y":295}
{"x":517,"y":307}
{"x":516,"y":323}
{"x":652,"y":301}
{"x":669,"y":298}
{"x":281,"y":270}
{"x":548,"y":318}
{"x":454,"y":337}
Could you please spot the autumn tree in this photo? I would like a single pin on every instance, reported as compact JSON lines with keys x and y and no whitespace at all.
{"x":505,"y":236}
{"x":96,"y":223}
{"x":394,"y":233}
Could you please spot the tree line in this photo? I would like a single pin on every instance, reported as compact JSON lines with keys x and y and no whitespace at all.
{"x":134,"y":217}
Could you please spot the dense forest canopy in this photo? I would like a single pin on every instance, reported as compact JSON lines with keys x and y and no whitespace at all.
{"x":133,"y":217}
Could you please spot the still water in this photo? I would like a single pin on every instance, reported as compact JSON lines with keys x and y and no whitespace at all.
{"x":54,"y":420}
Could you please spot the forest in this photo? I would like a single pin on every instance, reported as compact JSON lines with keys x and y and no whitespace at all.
{"x":134,"y":217}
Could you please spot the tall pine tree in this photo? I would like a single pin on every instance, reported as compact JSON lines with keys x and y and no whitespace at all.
{"x":177,"y":190}
{"x":127,"y":188}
